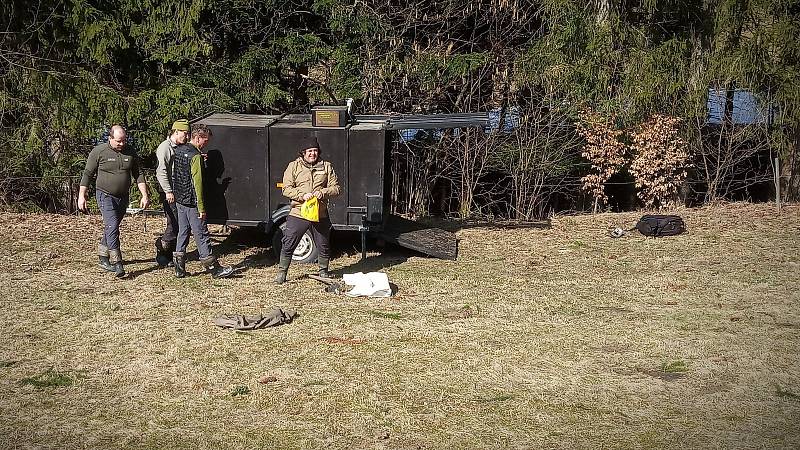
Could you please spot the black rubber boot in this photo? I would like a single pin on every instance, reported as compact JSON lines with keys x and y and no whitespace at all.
{"x":164,"y":253}
{"x":179,"y":259}
{"x":215,"y":269}
{"x":102,"y":254}
{"x":323,"y":268}
{"x":115,"y":258}
{"x":283,"y":269}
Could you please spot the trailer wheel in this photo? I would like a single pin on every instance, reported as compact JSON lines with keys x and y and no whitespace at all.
{"x":306,"y":251}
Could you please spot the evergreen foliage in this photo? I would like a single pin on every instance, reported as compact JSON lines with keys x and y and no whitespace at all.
{"x":72,"y":68}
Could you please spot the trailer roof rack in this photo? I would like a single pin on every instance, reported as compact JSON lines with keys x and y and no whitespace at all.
{"x":428,"y":121}
{"x":387,"y":121}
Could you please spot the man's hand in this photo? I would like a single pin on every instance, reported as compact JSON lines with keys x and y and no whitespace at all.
{"x":145,"y":200}
{"x":82,"y":204}
{"x":170,"y":197}
{"x":83,"y":194}
{"x":317,"y":194}
{"x":202,"y":216}
{"x":307,"y":196}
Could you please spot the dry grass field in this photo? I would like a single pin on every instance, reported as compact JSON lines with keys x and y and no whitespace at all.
{"x":535,"y":338}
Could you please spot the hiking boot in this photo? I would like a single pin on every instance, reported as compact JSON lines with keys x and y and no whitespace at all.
{"x":102,"y":254}
{"x":164,"y":253}
{"x":323,"y":268}
{"x":179,"y":260}
{"x":280,"y":278}
{"x":115,"y":259}
{"x":105,"y":264}
{"x":283,"y":269}
{"x":217,"y":271}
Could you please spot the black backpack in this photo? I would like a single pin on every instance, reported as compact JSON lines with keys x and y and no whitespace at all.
{"x":660,"y":225}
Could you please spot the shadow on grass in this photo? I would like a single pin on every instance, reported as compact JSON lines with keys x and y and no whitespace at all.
{"x":463,"y":224}
{"x":140,"y":261}
{"x":238,"y":240}
{"x":390,"y":256}
{"x":343,"y":243}
{"x":135,"y":273}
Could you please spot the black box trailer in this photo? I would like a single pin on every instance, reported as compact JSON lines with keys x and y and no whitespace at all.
{"x":248,"y":153}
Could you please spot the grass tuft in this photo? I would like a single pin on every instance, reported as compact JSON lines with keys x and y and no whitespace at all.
{"x":386,"y":315}
{"x":496,"y":398}
{"x":239,"y":391}
{"x":675,"y":367}
{"x":785,"y":393}
{"x":578,"y":244}
{"x":51,"y":378}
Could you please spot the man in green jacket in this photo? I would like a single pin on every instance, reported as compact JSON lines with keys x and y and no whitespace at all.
{"x":187,"y":187}
{"x":115,"y":165}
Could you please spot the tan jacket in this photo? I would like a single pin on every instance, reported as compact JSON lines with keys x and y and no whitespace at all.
{"x":301,"y":178}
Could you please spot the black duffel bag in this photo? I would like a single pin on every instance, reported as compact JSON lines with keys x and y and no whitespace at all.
{"x":660,"y":225}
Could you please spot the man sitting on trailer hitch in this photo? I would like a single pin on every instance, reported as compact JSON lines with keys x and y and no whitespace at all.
{"x":305,"y":177}
{"x":187,"y":186}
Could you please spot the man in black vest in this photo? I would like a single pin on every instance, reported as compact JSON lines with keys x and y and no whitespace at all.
{"x":187,"y":187}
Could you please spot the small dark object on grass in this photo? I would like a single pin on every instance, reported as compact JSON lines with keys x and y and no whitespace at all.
{"x":332,"y":286}
{"x":267,"y":379}
{"x":654,"y":225}
{"x":660,"y":225}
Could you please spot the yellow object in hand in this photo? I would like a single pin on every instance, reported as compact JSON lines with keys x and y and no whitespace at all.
{"x":310,"y":209}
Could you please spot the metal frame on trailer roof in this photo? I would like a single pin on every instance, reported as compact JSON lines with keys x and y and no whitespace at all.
{"x":429,"y":121}
{"x":389,"y":122}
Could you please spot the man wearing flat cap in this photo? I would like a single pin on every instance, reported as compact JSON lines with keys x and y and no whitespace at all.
{"x":305,"y":177}
{"x":165,"y":244}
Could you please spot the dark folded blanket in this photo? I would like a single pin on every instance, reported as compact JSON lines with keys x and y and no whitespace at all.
{"x":272,"y":318}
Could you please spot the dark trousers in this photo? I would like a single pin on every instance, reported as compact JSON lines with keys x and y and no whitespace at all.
{"x":297,"y":227}
{"x":113,"y":210}
{"x":171,"y":214}
{"x":189,"y":220}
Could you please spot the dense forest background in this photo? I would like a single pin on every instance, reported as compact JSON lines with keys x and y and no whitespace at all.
{"x":606,"y":104}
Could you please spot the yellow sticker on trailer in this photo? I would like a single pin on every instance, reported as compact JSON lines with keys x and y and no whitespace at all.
{"x":279,"y":185}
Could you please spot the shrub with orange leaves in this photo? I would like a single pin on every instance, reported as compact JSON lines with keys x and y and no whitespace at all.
{"x":660,"y":160}
{"x":604,"y":149}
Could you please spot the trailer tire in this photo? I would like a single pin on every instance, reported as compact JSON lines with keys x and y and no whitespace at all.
{"x":306,"y":251}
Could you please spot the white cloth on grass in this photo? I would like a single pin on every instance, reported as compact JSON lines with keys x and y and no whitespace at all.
{"x":373,"y":284}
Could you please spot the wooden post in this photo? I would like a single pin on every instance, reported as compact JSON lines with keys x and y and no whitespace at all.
{"x":777,"y":183}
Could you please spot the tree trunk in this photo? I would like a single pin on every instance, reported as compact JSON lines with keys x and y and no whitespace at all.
{"x":790,"y":168}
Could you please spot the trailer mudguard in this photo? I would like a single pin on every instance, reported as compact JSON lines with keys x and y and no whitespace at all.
{"x":278,"y":216}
